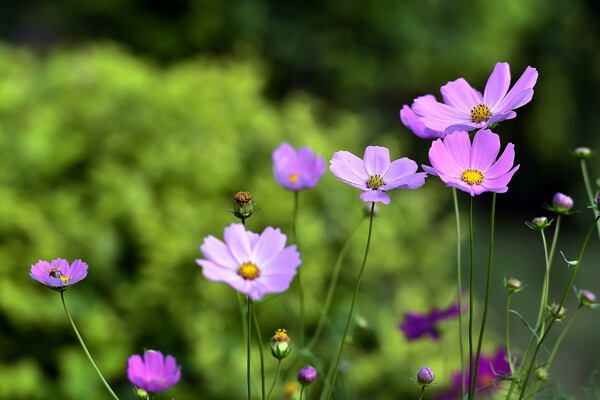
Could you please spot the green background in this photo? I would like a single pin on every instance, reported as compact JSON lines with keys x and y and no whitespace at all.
{"x":126,"y":127}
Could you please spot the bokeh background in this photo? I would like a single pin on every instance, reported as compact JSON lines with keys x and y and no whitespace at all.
{"x":127,"y":126}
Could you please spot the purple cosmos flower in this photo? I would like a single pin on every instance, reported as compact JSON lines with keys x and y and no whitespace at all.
{"x":416,"y":325}
{"x":250,"y":263}
{"x":154,"y":373}
{"x":58,"y":274}
{"x":491,"y":372}
{"x":464,"y":108}
{"x":411,"y":121}
{"x":376,"y":174}
{"x":473,"y":169}
{"x":297,"y":170}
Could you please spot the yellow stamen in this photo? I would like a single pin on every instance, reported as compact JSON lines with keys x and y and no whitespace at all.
{"x":248,"y":271}
{"x":280,"y":336}
{"x":65,"y":279}
{"x":293,"y":178}
{"x":480,"y":113}
{"x":472,"y":176}
{"x":375,"y":182}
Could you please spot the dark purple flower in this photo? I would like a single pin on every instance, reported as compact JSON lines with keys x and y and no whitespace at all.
{"x":411,"y":121}
{"x":252,"y":264}
{"x":307,"y":375}
{"x":375,"y":174}
{"x":58,"y":274}
{"x":154,"y":373}
{"x":491,"y":372}
{"x":465,"y":109}
{"x":425,"y":376}
{"x":416,"y":325}
{"x":297,"y":170}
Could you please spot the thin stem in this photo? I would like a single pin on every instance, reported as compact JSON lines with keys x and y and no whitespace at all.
{"x":510,"y":362}
{"x":471,"y":298}
{"x":301,"y":392}
{"x":298,"y":273}
{"x":249,"y":311}
{"x":459,"y":289}
{"x":544,"y":298}
{"x":85,"y":350}
{"x":331,"y":290}
{"x":421,"y":394}
{"x":562,"y":301}
{"x":260,"y":348}
{"x":588,"y":190}
{"x":362,"y":269}
{"x":487,"y":291}
{"x":275,"y":380}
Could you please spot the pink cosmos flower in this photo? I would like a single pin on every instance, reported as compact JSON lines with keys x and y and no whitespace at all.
{"x":464,"y":108}
{"x":154,"y":373}
{"x":297,"y":170}
{"x":250,"y":263}
{"x":375,"y":174}
{"x":58,"y":274}
{"x":411,"y":121}
{"x":473,"y":169}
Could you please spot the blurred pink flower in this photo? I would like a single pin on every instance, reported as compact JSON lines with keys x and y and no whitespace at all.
{"x":297,"y":170}
{"x":154,"y":373}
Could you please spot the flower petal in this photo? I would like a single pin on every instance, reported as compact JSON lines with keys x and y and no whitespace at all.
{"x":270,"y":243}
{"x":460,"y":95}
{"x":525,"y":82}
{"x":484,"y":151}
{"x":398,"y":169}
{"x":218,"y":252}
{"x":376,"y":160}
{"x":443,"y":161}
{"x":501,"y":181}
{"x":497,"y":85}
{"x":349,"y":168}
{"x":238,"y":243}
{"x":216,"y":272}
{"x":503,"y":164}
{"x":286,"y":260}
{"x":375,"y":195}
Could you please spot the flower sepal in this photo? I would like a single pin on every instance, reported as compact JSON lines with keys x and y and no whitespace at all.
{"x":539,"y":223}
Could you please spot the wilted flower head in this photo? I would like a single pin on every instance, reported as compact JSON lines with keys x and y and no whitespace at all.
{"x":465,"y":109}
{"x":375,"y":174}
{"x":425,"y":376}
{"x":411,"y":121}
{"x":492,"y":370}
{"x":250,"y":263}
{"x":472,"y":169}
{"x":58,"y":274}
{"x":297,"y":170}
{"x":561,"y":203}
{"x":416,"y":325}
{"x":307,"y":375}
{"x":154,"y":373}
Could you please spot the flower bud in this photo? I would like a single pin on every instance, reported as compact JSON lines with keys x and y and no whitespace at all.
{"x":425,"y":376}
{"x":598,"y":183}
{"x":559,"y":314}
{"x":541,"y":374}
{"x":586,"y":298}
{"x":539,"y":223}
{"x":513,"y":285}
{"x":561,"y":203}
{"x":141,"y":394}
{"x":307,"y":375}
{"x":243,"y":207}
{"x":582,"y":153}
{"x":280,"y":344}
{"x":598,"y":197}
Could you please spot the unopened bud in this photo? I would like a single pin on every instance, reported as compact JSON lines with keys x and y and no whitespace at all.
{"x":307,"y":375}
{"x":541,"y":374}
{"x":141,"y":394}
{"x":559,"y":314}
{"x":243,"y":207}
{"x":582,"y":153}
{"x":425,"y":376}
{"x":539,"y":223}
{"x":587,"y":298}
{"x":561,"y":203}
{"x":513,"y":285}
{"x":280,"y":344}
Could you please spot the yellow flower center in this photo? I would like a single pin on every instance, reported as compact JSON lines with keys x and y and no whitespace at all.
{"x":242,"y":197}
{"x":472,"y":177}
{"x":280,"y":336}
{"x":248,"y":271}
{"x":480,"y":113}
{"x":293,"y":178}
{"x":375,"y":182}
{"x":65,"y":279}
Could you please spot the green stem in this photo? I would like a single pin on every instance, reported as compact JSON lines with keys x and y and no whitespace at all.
{"x":562,"y":302}
{"x":260,"y":348}
{"x":459,"y":289}
{"x":510,"y":362}
{"x":275,"y":380}
{"x":85,"y":350}
{"x":331,"y":290}
{"x":471,"y":298}
{"x":249,"y":311}
{"x":544,"y":298}
{"x":301,"y":392}
{"x":588,"y":189}
{"x":298,"y":273}
{"x":362,"y":269}
{"x":487,"y":292}
{"x":421,"y":394}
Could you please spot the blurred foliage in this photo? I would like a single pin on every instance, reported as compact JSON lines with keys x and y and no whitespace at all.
{"x":129,"y":166}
